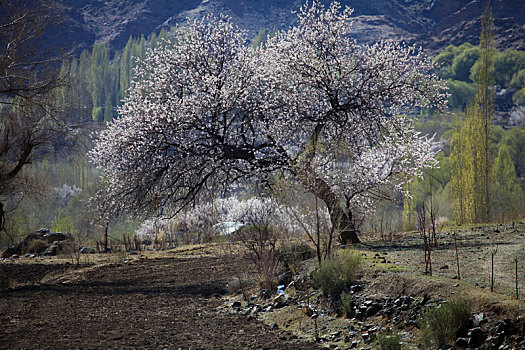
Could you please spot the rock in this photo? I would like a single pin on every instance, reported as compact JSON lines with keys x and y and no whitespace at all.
{"x":478,"y":318}
{"x":354,"y":344}
{"x":475,"y":337}
{"x":462,"y":342}
{"x":300,"y":283}
{"x":356,"y":288}
{"x":278,"y":298}
{"x":373,"y":309}
{"x":51,"y":237}
{"x":279,"y":305}
{"x":11,"y":251}
{"x":373,"y":329}
{"x":499,"y":327}
{"x":510,"y":328}
{"x":388,"y":311}
{"x":360,"y":313}
{"x":495,"y":341}
{"x":266,"y":294}
{"x":368,"y":337}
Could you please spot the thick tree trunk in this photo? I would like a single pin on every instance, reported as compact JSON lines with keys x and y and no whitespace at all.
{"x":343,"y":224}
{"x":341,"y":219}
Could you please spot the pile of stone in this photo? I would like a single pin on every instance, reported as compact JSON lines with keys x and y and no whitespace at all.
{"x":42,"y":242}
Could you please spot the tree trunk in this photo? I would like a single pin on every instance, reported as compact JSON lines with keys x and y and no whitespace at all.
{"x":342,"y":221}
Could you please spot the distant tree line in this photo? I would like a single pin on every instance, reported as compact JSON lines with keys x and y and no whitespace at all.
{"x":100,"y":78}
{"x":460,"y":66}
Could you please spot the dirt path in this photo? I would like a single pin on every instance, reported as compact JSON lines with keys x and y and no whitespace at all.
{"x":152,"y":304}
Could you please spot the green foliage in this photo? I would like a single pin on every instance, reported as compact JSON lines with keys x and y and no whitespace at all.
{"x":455,"y":62}
{"x":472,"y":144}
{"x":63,"y":223}
{"x":389,"y":340}
{"x":515,"y":141}
{"x":463,"y":63}
{"x":259,"y":39}
{"x":460,"y":93}
{"x":508,"y":194}
{"x":440,"y":326}
{"x":508,"y":64}
{"x":518,"y":79}
{"x":348,"y":305}
{"x":519,"y":97}
{"x":333,"y":275}
{"x":96,"y":114}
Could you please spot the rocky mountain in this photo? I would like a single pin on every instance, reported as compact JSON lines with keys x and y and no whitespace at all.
{"x":432,"y":24}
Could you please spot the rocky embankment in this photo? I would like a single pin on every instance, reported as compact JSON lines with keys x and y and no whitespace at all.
{"x":370,"y":315}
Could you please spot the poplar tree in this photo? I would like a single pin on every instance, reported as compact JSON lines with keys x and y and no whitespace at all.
{"x":484,"y":110}
{"x":472,"y":146}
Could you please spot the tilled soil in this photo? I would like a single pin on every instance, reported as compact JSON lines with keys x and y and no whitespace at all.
{"x":166,"y":303}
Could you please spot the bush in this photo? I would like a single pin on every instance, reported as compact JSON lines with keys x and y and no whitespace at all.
{"x":441,"y":326}
{"x":389,"y":340}
{"x":334,"y":274}
{"x":348,"y":305}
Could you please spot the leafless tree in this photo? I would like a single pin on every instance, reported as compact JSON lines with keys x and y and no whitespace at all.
{"x":30,"y":122}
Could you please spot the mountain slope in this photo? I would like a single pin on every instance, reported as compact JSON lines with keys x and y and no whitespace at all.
{"x":433,"y":24}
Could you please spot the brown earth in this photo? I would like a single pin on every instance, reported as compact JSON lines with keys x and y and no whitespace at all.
{"x":168,"y":303}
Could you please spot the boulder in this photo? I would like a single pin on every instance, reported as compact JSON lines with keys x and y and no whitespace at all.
{"x":51,"y":237}
{"x":475,"y":337}
{"x":462,"y":342}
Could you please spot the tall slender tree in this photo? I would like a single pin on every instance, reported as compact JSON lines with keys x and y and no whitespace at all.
{"x":472,"y":145}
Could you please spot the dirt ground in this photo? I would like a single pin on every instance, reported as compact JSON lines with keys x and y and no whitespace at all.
{"x":168,"y":303}
{"x":476,"y":245}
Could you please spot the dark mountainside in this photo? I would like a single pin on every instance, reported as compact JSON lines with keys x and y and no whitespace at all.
{"x":433,"y":24}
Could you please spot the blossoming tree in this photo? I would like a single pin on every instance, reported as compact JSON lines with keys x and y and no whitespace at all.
{"x":311,"y":104}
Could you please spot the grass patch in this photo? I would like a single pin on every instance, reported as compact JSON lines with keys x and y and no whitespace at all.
{"x":389,"y":340}
{"x":389,"y":267}
{"x":348,"y":306}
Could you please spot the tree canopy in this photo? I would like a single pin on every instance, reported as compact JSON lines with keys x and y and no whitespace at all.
{"x":310,"y":104}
